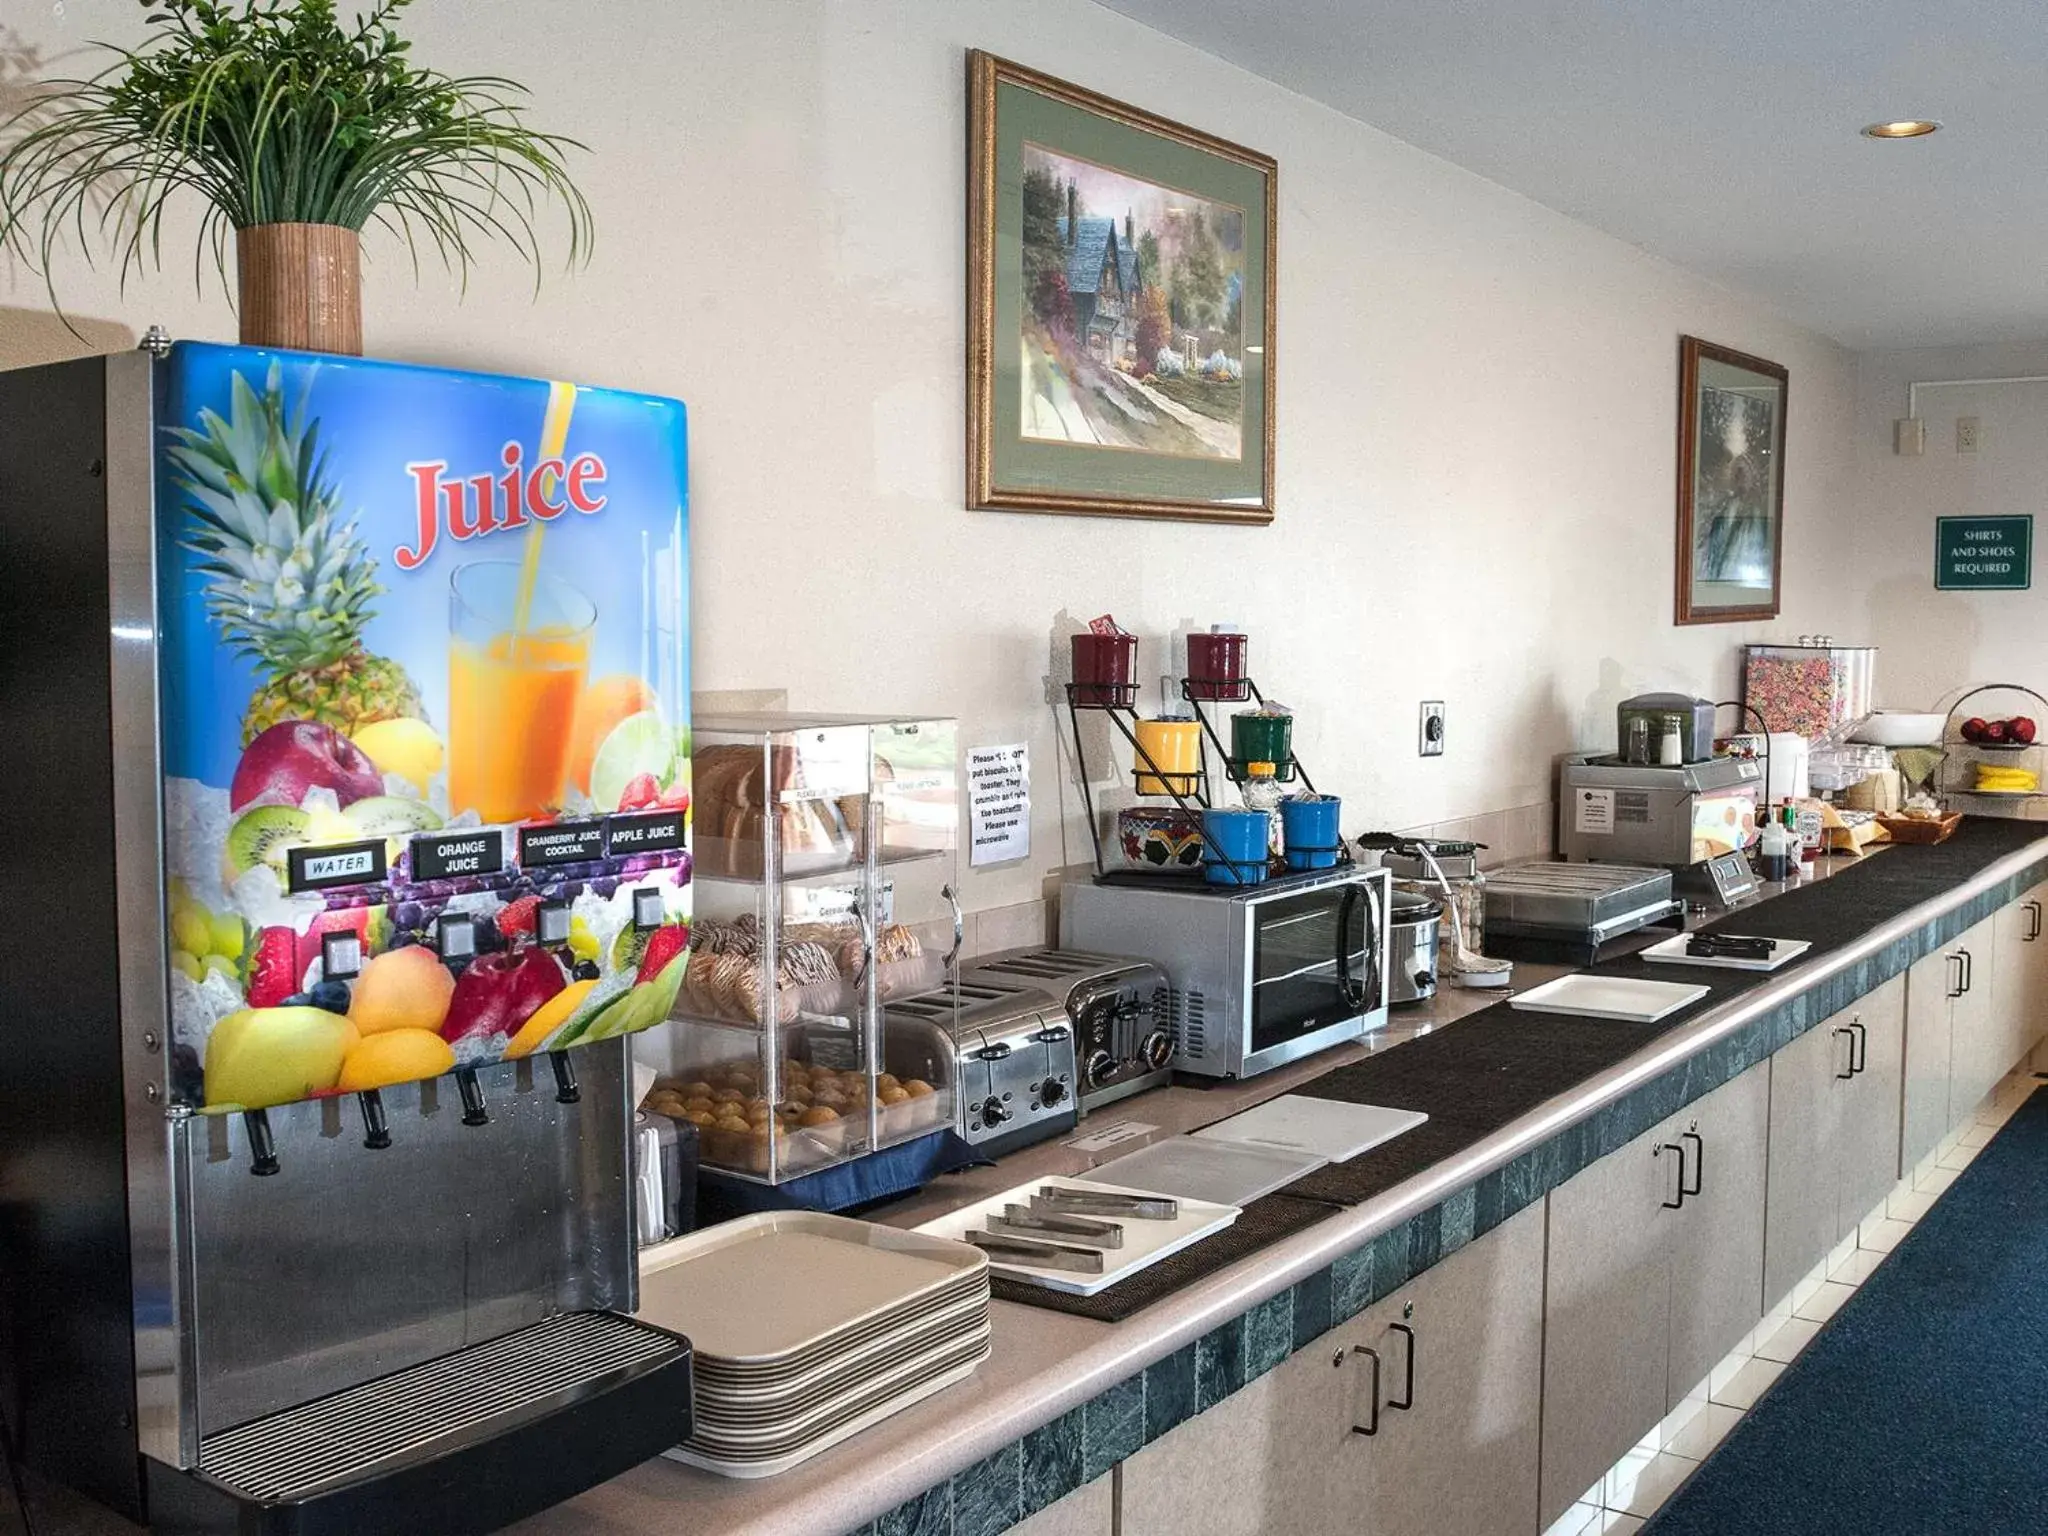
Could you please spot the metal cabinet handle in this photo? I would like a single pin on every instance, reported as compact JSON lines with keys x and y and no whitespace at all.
{"x":1955,"y":985}
{"x":1372,"y":1425}
{"x":1862,"y":1045}
{"x":1850,"y":1070}
{"x":1969,"y":969}
{"x":2033,"y":911}
{"x":1407,"y":1397}
{"x":1672,"y":1146}
{"x":1699,"y":1163}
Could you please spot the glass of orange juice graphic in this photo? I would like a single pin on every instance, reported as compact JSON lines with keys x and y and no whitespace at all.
{"x":513,"y":682}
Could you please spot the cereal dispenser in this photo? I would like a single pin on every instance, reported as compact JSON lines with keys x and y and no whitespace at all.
{"x":347,"y":703}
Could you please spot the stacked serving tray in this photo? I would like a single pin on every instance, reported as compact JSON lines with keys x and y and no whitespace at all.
{"x":808,"y":1328}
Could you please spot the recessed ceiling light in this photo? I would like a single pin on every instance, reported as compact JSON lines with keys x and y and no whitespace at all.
{"x":1907,"y":128}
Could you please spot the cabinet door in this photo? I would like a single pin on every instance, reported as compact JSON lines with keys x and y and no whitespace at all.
{"x":1930,"y":986}
{"x":1462,"y":1461}
{"x":1717,"y":1238}
{"x":1976,"y":1037}
{"x":1277,"y":1456}
{"x":1606,"y":1314}
{"x":2016,"y":939}
{"x":1868,"y":1123}
{"x":1801,"y":1196}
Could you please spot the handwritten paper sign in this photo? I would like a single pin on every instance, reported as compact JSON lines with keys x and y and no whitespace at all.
{"x":998,"y":803}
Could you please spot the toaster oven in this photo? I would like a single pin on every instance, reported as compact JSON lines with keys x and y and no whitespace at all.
{"x":1258,"y":975}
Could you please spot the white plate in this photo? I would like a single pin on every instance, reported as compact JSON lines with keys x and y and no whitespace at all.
{"x":742,"y":1467}
{"x":1672,"y":952}
{"x":1145,"y":1242}
{"x":1224,"y":1172}
{"x":1331,"y":1130}
{"x":761,"y":1288}
{"x":1609,"y":997}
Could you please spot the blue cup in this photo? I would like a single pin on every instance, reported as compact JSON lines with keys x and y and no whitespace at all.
{"x":1309,"y":824}
{"x":1241,"y":837}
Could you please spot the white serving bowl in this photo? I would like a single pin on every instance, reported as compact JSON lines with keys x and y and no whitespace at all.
{"x":1901,"y":728}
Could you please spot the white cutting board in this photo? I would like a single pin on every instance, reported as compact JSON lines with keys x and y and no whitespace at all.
{"x":1609,"y":997}
{"x":1223,"y":1172}
{"x":1331,"y":1130}
{"x":1672,"y":952}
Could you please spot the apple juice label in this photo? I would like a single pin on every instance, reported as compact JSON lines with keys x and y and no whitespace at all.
{"x":403,"y":610}
{"x":627,"y":835}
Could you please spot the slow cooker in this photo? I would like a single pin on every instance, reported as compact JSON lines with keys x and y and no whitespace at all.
{"x":1411,"y":948}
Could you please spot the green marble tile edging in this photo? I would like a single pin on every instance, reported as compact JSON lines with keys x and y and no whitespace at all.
{"x":1083,"y":1443}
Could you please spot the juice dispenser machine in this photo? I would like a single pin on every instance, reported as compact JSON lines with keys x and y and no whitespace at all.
{"x":346,"y":703}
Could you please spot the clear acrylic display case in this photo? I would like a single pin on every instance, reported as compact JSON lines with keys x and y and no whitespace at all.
{"x":825,"y":852}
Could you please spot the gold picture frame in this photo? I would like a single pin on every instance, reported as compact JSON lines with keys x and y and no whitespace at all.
{"x":1101,"y":379}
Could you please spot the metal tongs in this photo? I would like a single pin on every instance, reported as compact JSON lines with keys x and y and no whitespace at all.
{"x":1039,"y":1255}
{"x":1058,"y":1200}
{"x":1022,"y":1221}
{"x":1731,"y":946}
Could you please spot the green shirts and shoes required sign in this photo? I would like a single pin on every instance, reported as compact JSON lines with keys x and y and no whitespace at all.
{"x":1984,"y":554}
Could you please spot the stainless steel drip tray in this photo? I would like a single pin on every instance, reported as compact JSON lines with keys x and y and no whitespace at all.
{"x":466,"y":1442}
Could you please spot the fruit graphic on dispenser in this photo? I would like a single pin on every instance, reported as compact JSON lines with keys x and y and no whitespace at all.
{"x":286,"y":760}
{"x":288,"y":582}
{"x":663,"y":946}
{"x":394,"y":1056}
{"x":406,"y":747}
{"x":604,"y":704}
{"x":549,"y":1017}
{"x":402,"y":989}
{"x":264,"y":1056}
{"x":498,"y":993}
{"x":638,"y":745}
{"x":274,"y":969}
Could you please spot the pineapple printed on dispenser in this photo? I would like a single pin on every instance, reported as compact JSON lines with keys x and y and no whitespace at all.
{"x":289,"y":583}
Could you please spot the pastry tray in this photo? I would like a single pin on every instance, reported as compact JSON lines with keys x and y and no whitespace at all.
{"x":1672,"y":952}
{"x":764,"y":1288}
{"x":1145,"y":1242}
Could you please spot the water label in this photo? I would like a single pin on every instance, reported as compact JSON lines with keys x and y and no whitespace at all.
{"x":320,"y":869}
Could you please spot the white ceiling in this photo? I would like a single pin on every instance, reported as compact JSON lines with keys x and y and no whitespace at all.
{"x":1719,"y":134}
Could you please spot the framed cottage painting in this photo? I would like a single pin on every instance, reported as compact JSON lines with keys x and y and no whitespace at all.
{"x":1120,"y":308}
{"x":1731,"y":484}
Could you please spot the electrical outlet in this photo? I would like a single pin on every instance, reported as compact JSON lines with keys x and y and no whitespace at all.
{"x":1430,"y":733}
{"x":1969,"y":434}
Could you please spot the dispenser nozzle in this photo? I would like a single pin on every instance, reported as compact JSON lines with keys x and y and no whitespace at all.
{"x":566,"y":1091}
{"x":376,"y":1133}
{"x":473,"y":1110}
{"x":262,"y":1150}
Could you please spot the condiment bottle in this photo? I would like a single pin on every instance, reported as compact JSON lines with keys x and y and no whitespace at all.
{"x":1262,"y":792}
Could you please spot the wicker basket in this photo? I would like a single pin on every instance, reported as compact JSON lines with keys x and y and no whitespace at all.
{"x":1916,"y":829}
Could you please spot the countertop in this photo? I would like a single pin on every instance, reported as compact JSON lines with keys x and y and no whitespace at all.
{"x":1045,"y":1363}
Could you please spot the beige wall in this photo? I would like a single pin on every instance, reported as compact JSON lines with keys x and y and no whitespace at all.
{"x":1476,"y":395}
{"x":1933,"y":643}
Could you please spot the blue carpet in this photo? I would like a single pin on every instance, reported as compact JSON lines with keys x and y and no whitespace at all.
{"x":1923,"y":1406}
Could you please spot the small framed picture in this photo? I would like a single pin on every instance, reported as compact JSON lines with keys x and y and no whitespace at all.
{"x":1731,"y":484}
{"x":1120,"y":308}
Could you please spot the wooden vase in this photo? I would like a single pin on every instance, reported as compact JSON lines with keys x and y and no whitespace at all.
{"x":301,"y":287}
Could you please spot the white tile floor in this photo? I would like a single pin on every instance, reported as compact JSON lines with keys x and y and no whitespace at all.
{"x":1650,"y":1473}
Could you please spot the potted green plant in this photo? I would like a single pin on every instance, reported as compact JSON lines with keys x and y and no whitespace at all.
{"x":297,"y":130}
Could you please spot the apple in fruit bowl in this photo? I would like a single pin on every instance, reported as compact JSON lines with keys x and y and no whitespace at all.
{"x":1994,"y":733}
{"x":1974,"y":728}
{"x":2020,"y":728}
{"x":282,"y":763}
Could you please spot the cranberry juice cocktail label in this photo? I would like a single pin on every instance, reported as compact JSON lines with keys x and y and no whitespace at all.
{"x":424,"y":662}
